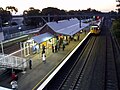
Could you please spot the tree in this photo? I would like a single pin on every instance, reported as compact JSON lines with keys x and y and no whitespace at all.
{"x":31,"y":8}
{"x":12,"y":8}
{"x":118,"y":5}
{"x":55,"y":12}
{"x":116,"y":27}
{"x":30,"y":16}
{"x":50,"y":11}
{"x":1,"y":9}
{"x":5,"y":16}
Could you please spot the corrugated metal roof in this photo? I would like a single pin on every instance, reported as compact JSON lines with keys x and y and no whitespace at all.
{"x":67,"y":27}
{"x":62,"y":24}
{"x":42,"y":37}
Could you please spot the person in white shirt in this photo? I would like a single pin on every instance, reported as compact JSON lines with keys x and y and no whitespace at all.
{"x":14,"y":85}
{"x":44,"y":57}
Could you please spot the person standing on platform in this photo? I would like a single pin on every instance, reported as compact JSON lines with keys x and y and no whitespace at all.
{"x":14,"y":85}
{"x":55,"y":48}
{"x":43,"y":48}
{"x":14,"y":76}
{"x":30,"y":64}
{"x":43,"y":51}
{"x":85,"y":31}
{"x":52,"y":48}
{"x":63,"y":46}
{"x":78,"y":38}
{"x":58,"y":47}
{"x":44,"y":57}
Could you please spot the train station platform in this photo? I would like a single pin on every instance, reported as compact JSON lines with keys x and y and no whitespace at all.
{"x":32,"y":78}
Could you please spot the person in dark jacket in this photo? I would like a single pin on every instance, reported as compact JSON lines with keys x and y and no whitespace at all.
{"x":55,"y":48}
{"x":30,"y":64}
{"x":52,"y":48}
{"x":63,"y":46}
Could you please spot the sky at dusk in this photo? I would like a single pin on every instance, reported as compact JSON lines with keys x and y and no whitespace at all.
{"x":101,"y":5}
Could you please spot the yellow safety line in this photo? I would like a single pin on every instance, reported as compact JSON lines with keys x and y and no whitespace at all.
{"x":52,"y":69}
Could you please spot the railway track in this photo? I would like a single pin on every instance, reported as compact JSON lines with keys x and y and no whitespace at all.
{"x":73,"y":79}
{"x":10,"y":49}
{"x":104,"y":74}
{"x":69,"y":71}
{"x":95,"y":68}
{"x":116,"y":49}
{"x":111,"y":78}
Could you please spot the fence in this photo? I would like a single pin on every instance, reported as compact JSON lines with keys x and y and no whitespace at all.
{"x":8,"y":61}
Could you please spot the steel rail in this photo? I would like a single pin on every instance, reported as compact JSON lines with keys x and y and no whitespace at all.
{"x":65,"y":76}
{"x":74,"y":66}
{"x":111,"y":80}
{"x":85,"y":64}
{"x":116,"y":49}
{"x":54,"y":83}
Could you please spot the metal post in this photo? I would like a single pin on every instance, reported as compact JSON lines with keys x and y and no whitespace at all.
{"x":22,"y":57}
{"x":80,"y":22}
{"x":12,"y":68}
{"x":1,"y":39}
{"x":24,"y":48}
{"x":48,"y":17}
{"x":21,"y":49}
{"x":39,"y":51}
{"x":2,"y":52}
{"x":2,"y":48}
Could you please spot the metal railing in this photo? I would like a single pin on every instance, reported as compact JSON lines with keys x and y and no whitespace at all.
{"x":8,"y":61}
{"x":14,"y":35}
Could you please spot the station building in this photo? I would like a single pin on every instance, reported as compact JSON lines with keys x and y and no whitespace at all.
{"x":55,"y":33}
{"x":51,"y":34}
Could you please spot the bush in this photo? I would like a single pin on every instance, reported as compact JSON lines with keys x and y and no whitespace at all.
{"x":116,"y":24}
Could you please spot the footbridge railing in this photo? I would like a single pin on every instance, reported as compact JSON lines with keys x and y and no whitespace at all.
{"x":14,"y":62}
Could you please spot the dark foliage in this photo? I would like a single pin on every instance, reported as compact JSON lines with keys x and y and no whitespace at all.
{"x":33,"y":16}
{"x":5,"y":16}
{"x":30,"y":17}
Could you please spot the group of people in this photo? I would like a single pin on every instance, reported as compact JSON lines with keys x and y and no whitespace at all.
{"x":57,"y":47}
{"x":43,"y":57}
{"x":15,"y":77}
{"x":54,"y":49}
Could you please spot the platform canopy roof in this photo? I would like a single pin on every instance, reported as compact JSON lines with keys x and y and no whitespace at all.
{"x":67,"y":27}
{"x":42,"y":37}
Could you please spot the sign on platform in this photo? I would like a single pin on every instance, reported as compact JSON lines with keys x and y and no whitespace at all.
{"x":1,"y":36}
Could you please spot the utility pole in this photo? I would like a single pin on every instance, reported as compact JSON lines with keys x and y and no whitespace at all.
{"x":48,"y":17}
